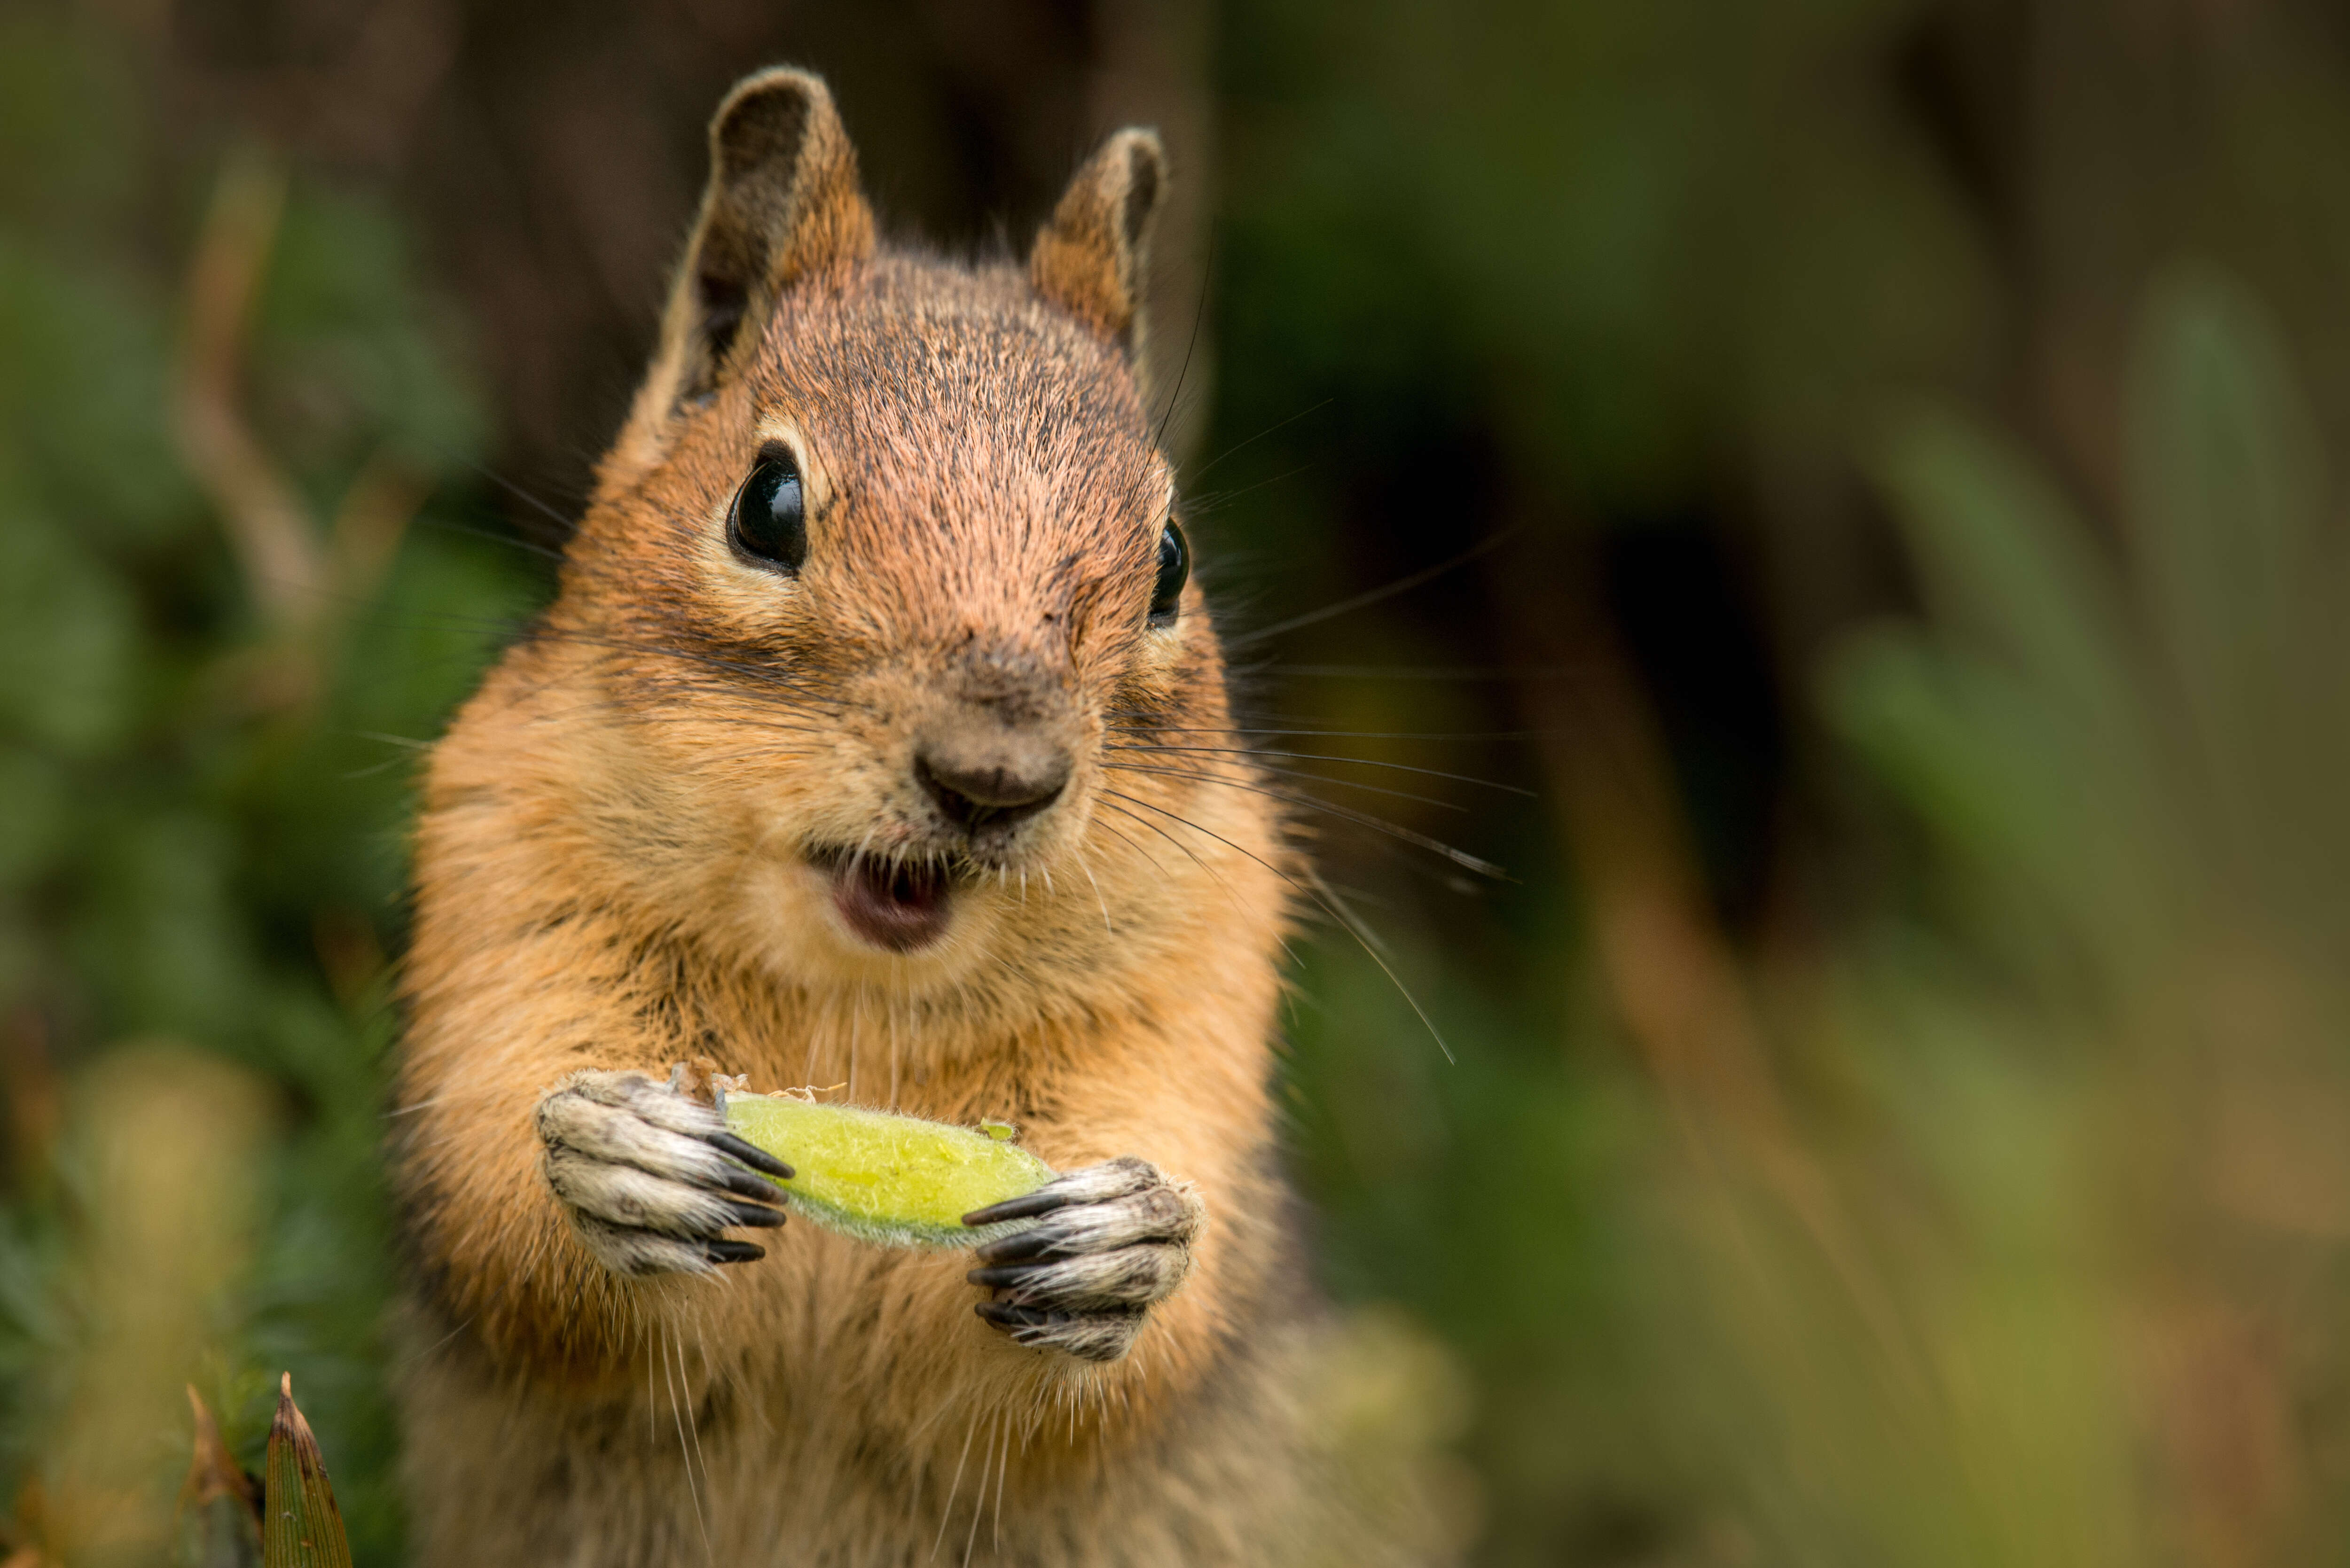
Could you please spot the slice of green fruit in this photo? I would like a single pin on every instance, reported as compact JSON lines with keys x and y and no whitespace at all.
{"x":898,"y":1181}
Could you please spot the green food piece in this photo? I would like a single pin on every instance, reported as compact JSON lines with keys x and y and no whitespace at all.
{"x":898,"y":1181}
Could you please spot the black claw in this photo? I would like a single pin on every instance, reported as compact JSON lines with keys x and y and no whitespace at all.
{"x":1002,"y":1279}
{"x":750,"y":1154}
{"x":742,"y":1184}
{"x":1015,"y":1248}
{"x":757,"y":1214}
{"x":1006,"y":1314}
{"x":734,"y":1252}
{"x":1043,"y":1201}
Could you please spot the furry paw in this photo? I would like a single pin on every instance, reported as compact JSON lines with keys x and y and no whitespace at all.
{"x":650,"y":1177}
{"x":1112,"y":1239}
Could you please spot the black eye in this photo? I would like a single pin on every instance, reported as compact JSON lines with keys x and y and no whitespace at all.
{"x":769,"y":523}
{"x":1174,"y":570}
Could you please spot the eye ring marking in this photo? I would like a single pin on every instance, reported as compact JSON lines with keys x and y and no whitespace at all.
{"x":1174,"y":571}
{"x":768,"y":523}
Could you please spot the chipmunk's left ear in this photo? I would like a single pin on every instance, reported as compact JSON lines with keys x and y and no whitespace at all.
{"x":1093,"y":257}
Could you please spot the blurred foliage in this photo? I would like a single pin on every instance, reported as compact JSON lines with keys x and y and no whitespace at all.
{"x":1898,"y":1114}
{"x":1650,"y":226}
{"x":2012,"y":1225}
{"x":185,"y":856}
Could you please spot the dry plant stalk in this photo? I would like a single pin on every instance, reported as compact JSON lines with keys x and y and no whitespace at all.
{"x":219,"y":1522}
{"x":303,"y":578}
{"x":1678,"y":989}
{"x":270,"y":529}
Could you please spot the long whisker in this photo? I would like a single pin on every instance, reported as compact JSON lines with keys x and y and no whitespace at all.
{"x":1001,"y":1471}
{"x":1459,"y":858}
{"x":1290,"y":951}
{"x":1307,"y":775}
{"x":1198,"y":314}
{"x":979,"y":1493}
{"x":1360,"y":927}
{"x":1333,"y":735}
{"x":1254,"y":782}
{"x":1463,"y":672}
{"x":689,"y":686}
{"x":1085,"y":866}
{"x":512,"y":541}
{"x":1132,"y":844}
{"x":1373,"y":953}
{"x":731,"y":666}
{"x":947,"y":1513}
{"x":739,"y":721}
{"x":694,"y":1424}
{"x":1304,"y":775}
{"x":693,"y":1491}
{"x":1400,"y":586}
{"x":534,"y":502}
{"x":1177,"y":843}
{"x":1201,"y":505}
{"x":1259,"y":435}
{"x":540,"y":630}
{"x":1325,"y":757}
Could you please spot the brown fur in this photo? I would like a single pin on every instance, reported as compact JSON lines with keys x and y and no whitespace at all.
{"x":612,"y":872}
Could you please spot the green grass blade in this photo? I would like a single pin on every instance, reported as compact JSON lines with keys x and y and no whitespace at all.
{"x":304,"y":1528}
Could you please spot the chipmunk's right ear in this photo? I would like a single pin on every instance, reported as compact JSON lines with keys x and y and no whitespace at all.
{"x":1092,"y":258}
{"x":783,"y":209}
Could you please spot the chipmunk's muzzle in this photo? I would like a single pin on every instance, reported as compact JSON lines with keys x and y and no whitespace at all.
{"x":987,"y":764}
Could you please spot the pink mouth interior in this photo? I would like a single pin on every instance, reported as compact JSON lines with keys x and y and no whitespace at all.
{"x":900,"y":908}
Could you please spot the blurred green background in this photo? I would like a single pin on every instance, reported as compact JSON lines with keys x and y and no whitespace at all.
{"x":1852,"y":482}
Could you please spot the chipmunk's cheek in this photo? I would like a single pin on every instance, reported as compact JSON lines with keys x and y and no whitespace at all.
{"x":898,"y":908}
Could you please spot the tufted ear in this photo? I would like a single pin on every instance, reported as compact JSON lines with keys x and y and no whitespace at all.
{"x":1092,"y":258}
{"x":781,"y":208}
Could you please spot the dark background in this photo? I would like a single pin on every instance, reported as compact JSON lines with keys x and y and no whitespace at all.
{"x":1847,"y":486}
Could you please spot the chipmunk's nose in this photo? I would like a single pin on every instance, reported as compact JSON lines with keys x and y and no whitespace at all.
{"x":993,"y":781}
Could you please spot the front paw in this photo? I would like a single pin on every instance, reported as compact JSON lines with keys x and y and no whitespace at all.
{"x":1112,"y":1239}
{"x":650,"y":1177}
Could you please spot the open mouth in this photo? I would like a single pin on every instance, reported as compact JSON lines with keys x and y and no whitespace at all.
{"x":903,"y":908}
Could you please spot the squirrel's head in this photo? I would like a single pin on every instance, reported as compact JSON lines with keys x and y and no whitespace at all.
{"x":884,"y":568}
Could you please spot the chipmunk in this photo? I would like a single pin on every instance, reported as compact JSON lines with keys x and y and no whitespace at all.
{"x":876,"y":735}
